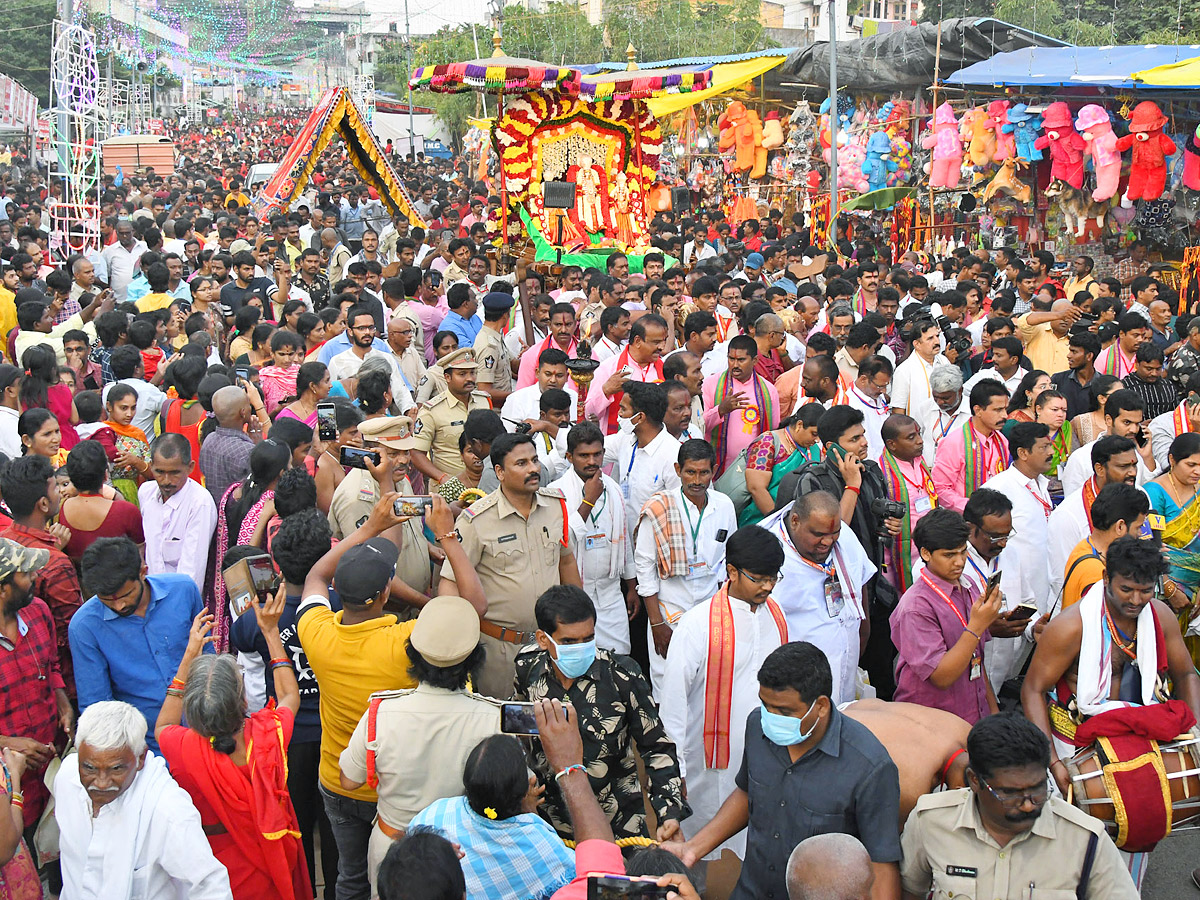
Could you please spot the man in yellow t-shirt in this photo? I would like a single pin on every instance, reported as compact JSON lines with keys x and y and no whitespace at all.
{"x":360,"y":650}
{"x":1119,"y":509}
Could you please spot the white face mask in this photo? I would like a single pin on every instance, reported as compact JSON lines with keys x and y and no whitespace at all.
{"x":627,"y":425}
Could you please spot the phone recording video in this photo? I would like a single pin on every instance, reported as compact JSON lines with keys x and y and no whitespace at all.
{"x":356,"y":457}
{"x":615,"y":887}
{"x":327,"y":420}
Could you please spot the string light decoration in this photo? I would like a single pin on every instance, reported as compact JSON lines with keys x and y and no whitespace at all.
{"x":75,"y":138}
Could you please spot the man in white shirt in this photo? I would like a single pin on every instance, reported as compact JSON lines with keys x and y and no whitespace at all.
{"x":1124,"y":413}
{"x":868,"y":395}
{"x":127,"y":368}
{"x":821,"y":589}
{"x":946,"y":415}
{"x":178,"y":514}
{"x":1006,"y":366}
{"x":911,"y":391}
{"x":1114,"y":460}
{"x":642,"y":454}
{"x":10,"y":410}
{"x":122,"y":257}
{"x":1025,"y":484}
{"x":127,"y":829}
{"x":614,"y":333}
{"x":604,"y":548}
{"x":360,"y":325}
{"x":752,"y":564}
{"x":679,"y":548}
{"x":523,"y":403}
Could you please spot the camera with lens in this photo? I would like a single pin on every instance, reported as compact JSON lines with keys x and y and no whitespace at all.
{"x":883,"y":508}
{"x":959,"y":345}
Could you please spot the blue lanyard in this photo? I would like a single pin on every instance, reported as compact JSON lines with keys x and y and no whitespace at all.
{"x":632,"y":457}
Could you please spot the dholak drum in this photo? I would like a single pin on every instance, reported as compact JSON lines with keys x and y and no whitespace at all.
{"x":1181,"y":764}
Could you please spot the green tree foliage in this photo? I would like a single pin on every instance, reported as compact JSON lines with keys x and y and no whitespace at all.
{"x":669,"y":29}
{"x":26,"y":35}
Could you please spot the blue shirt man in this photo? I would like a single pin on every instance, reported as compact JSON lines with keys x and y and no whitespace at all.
{"x":128,"y":646}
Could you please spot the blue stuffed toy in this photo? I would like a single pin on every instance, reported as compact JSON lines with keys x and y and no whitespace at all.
{"x":1024,"y":126}
{"x":877,"y":166}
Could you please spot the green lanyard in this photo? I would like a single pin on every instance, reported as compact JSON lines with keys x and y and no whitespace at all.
{"x":695,"y":528}
{"x":594,"y":517}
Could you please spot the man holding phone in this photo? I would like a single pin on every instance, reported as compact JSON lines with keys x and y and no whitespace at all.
{"x":940,"y":625}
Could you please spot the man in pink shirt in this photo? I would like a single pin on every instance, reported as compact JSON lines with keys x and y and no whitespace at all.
{"x":968,"y":456}
{"x":561,"y":337}
{"x":641,"y":360}
{"x":430,"y":309}
{"x":739,"y":404}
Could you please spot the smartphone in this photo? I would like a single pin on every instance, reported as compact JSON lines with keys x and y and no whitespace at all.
{"x":242,"y":373}
{"x":517,"y":718}
{"x":263,"y":574}
{"x":1022,"y":611}
{"x":356,"y":457}
{"x":616,"y":887}
{"x":239,"y":584}
{"x":835,"y":452}
{"x":993,"y":580}
{"x":327,"y":420}
{"x":413,"y":506}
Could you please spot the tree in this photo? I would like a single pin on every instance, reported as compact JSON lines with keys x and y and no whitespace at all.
{"x":27,"y":33}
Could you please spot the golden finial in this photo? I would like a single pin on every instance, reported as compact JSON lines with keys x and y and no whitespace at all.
{"x":496,"y":43}
{"x":631,"y":55}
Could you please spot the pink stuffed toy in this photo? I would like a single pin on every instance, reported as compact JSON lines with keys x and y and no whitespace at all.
{"x":1065,"y":144}
{"x":1101,"y":145}
{"x":997,"y":118}
{"x":1191,"y":161}
{"x":944,"y":140}
{"x":1148,"y":168}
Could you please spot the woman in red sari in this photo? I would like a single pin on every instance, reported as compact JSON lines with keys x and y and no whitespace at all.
{"x":234,"y":766}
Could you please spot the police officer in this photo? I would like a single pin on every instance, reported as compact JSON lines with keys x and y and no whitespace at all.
{"x":416,"y":742}
{"x":1003,"y":837}
{"x":393,"y":439}
{"x":494,"y":375}
{"x":435,"y":453}
{"x":518,"y":541}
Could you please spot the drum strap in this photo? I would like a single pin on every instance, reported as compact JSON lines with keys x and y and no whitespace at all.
{"x":1085,"y":876}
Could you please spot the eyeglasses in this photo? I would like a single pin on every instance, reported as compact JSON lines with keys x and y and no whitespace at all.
{"x":1014,"y":797}
{"x":999,"y":538}
{"x":761,"y":579}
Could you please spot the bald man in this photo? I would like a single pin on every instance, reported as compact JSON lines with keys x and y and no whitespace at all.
{"x":225,"y":453}
{"x":830,"y":867}
{"x":927,"y":745}
{"x":1045,"y":335}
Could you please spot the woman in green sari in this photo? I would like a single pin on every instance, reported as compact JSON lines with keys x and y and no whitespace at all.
{"x":1173,"y":496}
{"x":776,"y":453}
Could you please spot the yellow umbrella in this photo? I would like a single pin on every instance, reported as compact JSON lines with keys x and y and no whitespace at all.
{"x":725,"y":77}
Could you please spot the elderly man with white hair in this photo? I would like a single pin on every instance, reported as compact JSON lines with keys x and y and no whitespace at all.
{"x":830,"y":867}
{"x":946,"y":387}
{"x":128,"y":831}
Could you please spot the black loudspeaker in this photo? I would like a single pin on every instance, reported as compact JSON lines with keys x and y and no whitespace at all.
{"x":558,"y":194}
{"x":681,"y":199}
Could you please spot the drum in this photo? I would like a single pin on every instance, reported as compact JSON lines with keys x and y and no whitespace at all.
{"x":1180,"y":761}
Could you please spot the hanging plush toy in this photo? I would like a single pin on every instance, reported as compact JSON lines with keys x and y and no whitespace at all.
{"x":1191,"y":161}
{"x":1096,"y":130}
{"x":946,"y":167}
{"x":850,"y":168}
{"x":772,"y":131}
{"x":877,"y":165}
{"x":1065,"y":144}
{"x":997,"y":118}
{"x":981,"y":146}
{"x":1148,"y":168}
{"x":1023,"y":126}
{"x":741,"y":132}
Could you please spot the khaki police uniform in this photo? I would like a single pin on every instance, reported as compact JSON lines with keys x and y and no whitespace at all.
{"x":947,"y":848}
{"x":441,"y":422}
{"x":352,"y":503}
{"x":495,"y":363}
{"x":516,"y":560}
{"x":431,"y":385}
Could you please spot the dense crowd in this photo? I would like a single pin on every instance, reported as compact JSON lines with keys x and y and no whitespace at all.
{"x":822,"y":566}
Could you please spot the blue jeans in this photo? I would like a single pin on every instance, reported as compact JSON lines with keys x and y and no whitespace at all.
{"x":352,"y":821}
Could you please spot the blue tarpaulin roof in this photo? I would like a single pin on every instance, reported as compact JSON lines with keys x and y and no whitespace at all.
{"x":1071,"y":66}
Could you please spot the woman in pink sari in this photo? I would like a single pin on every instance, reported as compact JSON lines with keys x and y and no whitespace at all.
{"x":312,"y":386}
{"x":238,"y":516}
{"x":278,"y":380}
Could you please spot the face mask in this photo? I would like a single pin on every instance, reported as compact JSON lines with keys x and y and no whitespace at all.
{"x":575,"y":659}
{"x":627,"y":425}
{"x":784,"y":731}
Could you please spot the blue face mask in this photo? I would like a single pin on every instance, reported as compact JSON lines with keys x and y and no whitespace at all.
{"x":574,"y":659}
{"x":786,"y":730}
